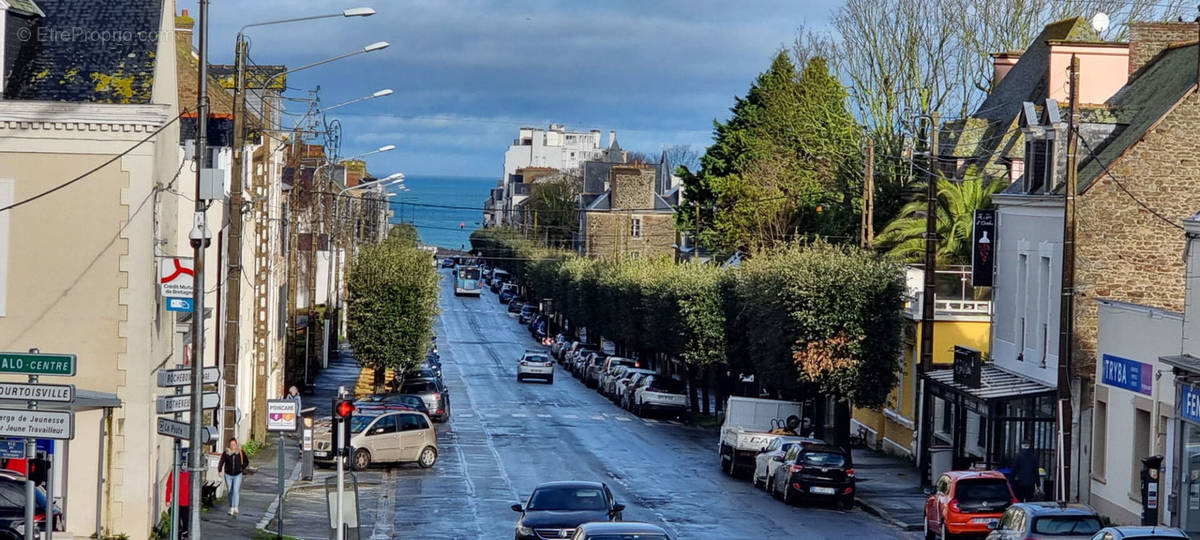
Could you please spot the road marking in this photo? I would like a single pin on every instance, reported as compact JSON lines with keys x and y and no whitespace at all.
{"x":624,"y":418}
{"x":385,"y":510}
{"x":650,"y":421}
{"x":545,"y":416}
{"x":570,"y":416}
{"x":466,"y":415}
{"x":490,"y":415}
{"x":519,"y":415}
{"x":597,"y":417}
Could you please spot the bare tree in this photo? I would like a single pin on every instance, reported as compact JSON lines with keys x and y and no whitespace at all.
{"x":682,"y":155}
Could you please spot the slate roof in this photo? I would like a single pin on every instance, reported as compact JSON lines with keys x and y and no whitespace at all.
{"x":26,"y":7}
{"x":603,"y":203}
{"x":1140,"y":104}
{"x":90,"y":52}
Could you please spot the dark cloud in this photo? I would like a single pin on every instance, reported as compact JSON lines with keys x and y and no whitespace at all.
{"x":468,"y":73}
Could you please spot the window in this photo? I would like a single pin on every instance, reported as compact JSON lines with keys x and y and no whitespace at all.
{"x":635,"y":254}
{"x":6,"y":198}
{"x":1141,"y":449}
{"x":943,"y":486}
{"x":824,"y":459}
{"x":1100,"y":444}
{"x":385,"y":425}
{"x":1067,"y":525}
{"x":1022,"y":302}
{"x":411,"y":422}
{"x":635,"y":227}
{"x":1044,"y":282}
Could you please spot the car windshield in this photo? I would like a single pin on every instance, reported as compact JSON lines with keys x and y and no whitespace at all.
{"x":568,"y":498}
{"x":982,"y":490}
{"x":419,"y":387}
{"x":1064,"y":525}
{"x":359,"y":422}
{"x":668,"y":385}
{"x":823,"y":459}
{"x":537,"y":358}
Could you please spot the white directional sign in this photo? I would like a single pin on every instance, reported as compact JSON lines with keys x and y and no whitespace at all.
{"x":168,"y":378}
{"x":281,"y":414}
{"x":175,"y":276}
{"x":64,"y":393}
{"x":183,"y":403}
{"x":174,"y":428}
{"x":37,"y":424}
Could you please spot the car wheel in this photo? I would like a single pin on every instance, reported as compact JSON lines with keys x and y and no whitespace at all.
{"x":754,"y":480}
{"x":733,"y":464}
{"x":519,"y":378}
{"x":848,"y":502}
{"x":362,"y":459}
{"x":550,"y":380}
{"x":428,"y":457}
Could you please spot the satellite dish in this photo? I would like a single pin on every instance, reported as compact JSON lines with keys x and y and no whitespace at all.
{"x":1100,"y":22}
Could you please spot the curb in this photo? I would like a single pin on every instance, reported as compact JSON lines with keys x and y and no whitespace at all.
{"x":269,"y":515}
{"x":885,"y":516}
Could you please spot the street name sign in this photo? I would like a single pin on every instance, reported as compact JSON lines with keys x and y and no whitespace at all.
{"x":169,"y":378}
{"x":174,"y":428}
{"x":183,"y":403}
{"x":62,"y":365}
{"x":37,"y":424}
{"x":175,"y":276}
{"x":62,"y":393}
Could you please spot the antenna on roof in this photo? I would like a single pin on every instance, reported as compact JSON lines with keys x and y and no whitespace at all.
{"x":1100,"y":22}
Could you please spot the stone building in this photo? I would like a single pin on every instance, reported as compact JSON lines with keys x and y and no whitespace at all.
{"x":630,"y":219}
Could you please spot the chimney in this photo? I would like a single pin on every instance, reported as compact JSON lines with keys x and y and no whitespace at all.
{"x":612,"y":139}
{"x":183,"y":30}
{"x":1147,"y":39}
{"x":1002,"y":63}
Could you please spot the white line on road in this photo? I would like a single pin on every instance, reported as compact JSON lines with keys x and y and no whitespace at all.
{"x":597,"y":417}
{"x":491,"y":415}
{"x":623,"y":418}
{"x":466,"y":415}
{"x":650,"y":421}
{"x":545,"y":416}
{"x":569,"y":416}
{"x":520,"y":415}
{"x":385,"y":511}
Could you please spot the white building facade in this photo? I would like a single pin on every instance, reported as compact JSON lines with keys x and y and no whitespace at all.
{"x":553,"y":148}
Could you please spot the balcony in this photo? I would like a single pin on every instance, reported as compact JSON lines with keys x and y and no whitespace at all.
{"x":955,"y":297}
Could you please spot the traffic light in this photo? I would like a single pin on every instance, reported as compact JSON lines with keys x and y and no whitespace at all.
{"x":343,"y":412}
{"x":39,"y":470}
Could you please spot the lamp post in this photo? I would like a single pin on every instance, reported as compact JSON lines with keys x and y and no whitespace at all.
{"x":233,"y":277}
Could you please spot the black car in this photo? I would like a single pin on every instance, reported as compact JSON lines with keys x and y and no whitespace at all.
{"x":556,"y":509}
{"x":507,"y":297}
{"x":390,"y":401}
{"x":516,"y":305}
{"x":815,"y":471}
{"x":12,"y":507}
{"x":527,"y":313}
{"x":447,"y":263}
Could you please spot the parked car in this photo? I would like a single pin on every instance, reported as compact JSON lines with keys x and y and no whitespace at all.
{"x":389,"y":437}
{"x":1033,"y":520}
{"x":577,"y":360}
{"x":620,"y":530}
{"x":423,"y":372}
{"x":447,"y":263}
{"x":965,"y":502}
{"x":556,"y":509}
{"x":537,"y":326}
{"x":535,"y":365}
{"x":815,"y":471}
{"x":1138,"y":532}
{"x":623,"y":385}
{"x":660,"y":394}
{"x":769,"y":460}
{"x":610,"y":369}
{"x":592,"y":368}
{"x":568,"y":351}
{"x":608,"y":380}
{"x":560,"y":341}
{"x":434,"y":393}
{"x":410,"y":401}
{"x":12,"y":506}
{"x":509,"y":288}
{"x":516,"y":305}
{"x":527,"y":312}
{"x":747,"y":429}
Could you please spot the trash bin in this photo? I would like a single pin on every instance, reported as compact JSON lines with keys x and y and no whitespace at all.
{"x":940,"y":459}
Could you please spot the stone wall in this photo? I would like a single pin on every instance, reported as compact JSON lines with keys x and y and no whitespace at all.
{"x":1123,"y":251}
{"x":632,"y":188}
{"x":1147,"y":39}
{"x":608,"y":235}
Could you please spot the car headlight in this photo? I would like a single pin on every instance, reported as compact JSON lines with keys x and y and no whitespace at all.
{"x":523,"y":530}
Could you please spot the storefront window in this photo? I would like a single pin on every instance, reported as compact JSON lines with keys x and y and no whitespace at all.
{"x":1190,"y":505}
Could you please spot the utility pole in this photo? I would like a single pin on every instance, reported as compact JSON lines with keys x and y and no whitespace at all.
{"x":199,"y":242}
{"x":868,"y":209}
{"x":925,"y":430}
{"x":233,"y":269}
{"x":1067,"y":310}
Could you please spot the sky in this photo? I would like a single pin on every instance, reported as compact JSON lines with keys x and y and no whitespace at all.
{"x":468,"y":73}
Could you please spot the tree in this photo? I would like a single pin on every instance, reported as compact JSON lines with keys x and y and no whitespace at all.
{"x":393,"y":300}
{"x":682,"y":155}
{"x":404,"y":233}
{"x":555,"y":203}
{"x":957,"y":202}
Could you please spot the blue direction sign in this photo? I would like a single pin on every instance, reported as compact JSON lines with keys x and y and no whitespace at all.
{"x":12,"y":448}
{"x":179,"y":304}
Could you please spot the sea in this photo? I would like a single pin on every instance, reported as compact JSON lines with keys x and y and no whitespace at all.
{"x":444,"y":209}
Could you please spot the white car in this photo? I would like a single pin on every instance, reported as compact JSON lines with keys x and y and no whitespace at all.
{"x":536,"y":365}
{"x":769,"y":460}
{"x":615,"y":372}
{"x":659,"y":393}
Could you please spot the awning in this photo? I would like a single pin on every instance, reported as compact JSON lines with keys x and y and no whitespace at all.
{"x":1185,"y":362}
{"x":85,"y":400}
{"x":996,"y":384}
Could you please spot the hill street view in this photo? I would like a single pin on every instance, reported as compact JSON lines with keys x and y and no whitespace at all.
{"x":683,"y":269}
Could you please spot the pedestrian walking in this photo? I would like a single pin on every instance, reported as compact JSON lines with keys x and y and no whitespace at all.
{"x":233,"y":463}
{"x":294,"y":395}
{"x":185,"y":498}
{"x":1025,"y":472}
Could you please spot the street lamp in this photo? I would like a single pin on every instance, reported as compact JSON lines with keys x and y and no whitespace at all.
{"x":379,"y":94}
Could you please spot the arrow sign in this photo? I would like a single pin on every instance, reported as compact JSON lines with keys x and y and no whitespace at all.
{"x":169,"y":378}
{"x":174,"y":428}
{"x":64,"y":393}
{"x":183,"y":403}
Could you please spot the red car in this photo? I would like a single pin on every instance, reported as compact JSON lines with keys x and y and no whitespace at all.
{"x":965,"y":502}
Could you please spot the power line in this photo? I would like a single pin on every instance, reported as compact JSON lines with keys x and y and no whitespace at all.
{"x":1108,"y":172}
{"x":98,"y":167}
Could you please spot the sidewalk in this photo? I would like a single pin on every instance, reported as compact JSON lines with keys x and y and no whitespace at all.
{"x":890,"y":488}
{"x":258,"y":506}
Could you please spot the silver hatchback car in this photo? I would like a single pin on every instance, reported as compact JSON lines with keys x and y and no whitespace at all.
{"x":387,"y":437}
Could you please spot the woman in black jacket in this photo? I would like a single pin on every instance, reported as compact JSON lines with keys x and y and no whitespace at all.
{"x":233,"y":464}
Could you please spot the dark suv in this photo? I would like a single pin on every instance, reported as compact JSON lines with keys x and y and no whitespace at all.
{"x":817,"y":471}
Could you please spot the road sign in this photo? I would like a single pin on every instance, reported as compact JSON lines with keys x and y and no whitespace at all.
{"x":175,"y":277}
{"x":12,"y":448}
{"x":169,"y":378}
{"x":63,"y":393}
{"x":37,"y":424}
{"x":179,"y":304}
{"x":183,"y":403}
{"x":62,"y":365}
{"x":281,"y":415}
{"x":183,"y":430}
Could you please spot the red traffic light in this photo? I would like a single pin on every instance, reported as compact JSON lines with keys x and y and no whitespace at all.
{"x":344,"y":408}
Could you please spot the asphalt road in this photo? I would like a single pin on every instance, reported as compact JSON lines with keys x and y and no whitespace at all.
{"x":504,"y":438}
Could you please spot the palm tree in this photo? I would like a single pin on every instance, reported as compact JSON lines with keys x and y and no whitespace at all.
{"x":904,"y":237}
